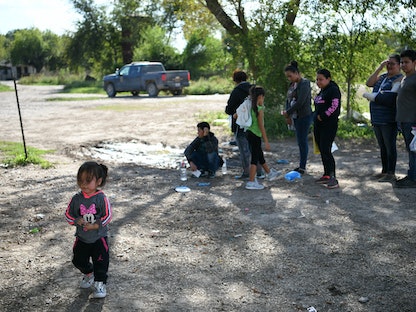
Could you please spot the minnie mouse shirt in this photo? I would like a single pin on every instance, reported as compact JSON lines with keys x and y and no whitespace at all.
{"x":95,"y":208}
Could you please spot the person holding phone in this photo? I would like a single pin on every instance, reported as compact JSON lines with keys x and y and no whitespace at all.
{"x":202,"y":153}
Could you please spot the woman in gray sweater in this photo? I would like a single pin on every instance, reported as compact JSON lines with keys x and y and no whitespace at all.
{"x":298,"y":110}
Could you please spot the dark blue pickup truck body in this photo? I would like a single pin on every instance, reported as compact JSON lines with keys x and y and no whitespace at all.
{"x":146,"y":76}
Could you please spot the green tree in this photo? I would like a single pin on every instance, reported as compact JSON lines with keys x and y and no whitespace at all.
{"x":28,"y":48}
{"x":204,"y":55}
{"x":4,"y":51}
{"x":91,"y":45}
{"x":153,"y":47}
{"x":345,"y":39}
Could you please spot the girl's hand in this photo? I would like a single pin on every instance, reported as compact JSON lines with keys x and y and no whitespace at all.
{"x":81,"y":222}
{"x":267,"y":146}
{"x":89,"y":226}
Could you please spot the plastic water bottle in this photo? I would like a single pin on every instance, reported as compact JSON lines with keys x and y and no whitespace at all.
{"x":224,"y":166}
{"x":182,"y":170}
{"x":292,"y":175}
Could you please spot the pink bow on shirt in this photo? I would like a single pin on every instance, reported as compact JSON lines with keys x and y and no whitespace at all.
{"x":91,"y":209}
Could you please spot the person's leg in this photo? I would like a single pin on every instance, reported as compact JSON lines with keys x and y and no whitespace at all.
{"x":378,"y":131}
{"x":244,"y":149}
{"x":213,"y":162}
{"x":255,"y":148}
{"x":100,"y":259}
{"x":389,"y":133}
{"x":200,"y":160}
{"x":302,"y":126}
{"x":408,"y":137}
{"x":327,"y":135}
{"x":81,"y":257}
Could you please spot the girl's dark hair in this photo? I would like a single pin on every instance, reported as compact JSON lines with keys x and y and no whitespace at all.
{"x":255,"y":91}
{"x":292,"y":67}
{"x":325,"y":72}
{"x":93,"y":170}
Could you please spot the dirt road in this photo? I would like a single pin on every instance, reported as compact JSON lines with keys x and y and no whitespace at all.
{"x":217,"y":248}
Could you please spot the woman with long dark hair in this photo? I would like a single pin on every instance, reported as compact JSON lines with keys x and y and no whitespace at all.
{"x":327,"y":110}
{"x":299,"y":111}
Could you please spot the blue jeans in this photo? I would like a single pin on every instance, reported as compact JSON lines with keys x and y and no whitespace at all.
{"x":243,"y":148}
{"x":302,"y":126}
{"x":408,"y":137}
{"x":386,"y":137}
{"x":206,"y":161}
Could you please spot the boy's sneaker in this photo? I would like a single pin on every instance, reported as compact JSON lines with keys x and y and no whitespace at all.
{"x":332,"y":183}
{"x":300,"y":170}
{"x":272,"y":175}
{"x":87,"y":281}
{"x":323,"y":180}
{"x":100,"y":290}
{"x":254,"y":185}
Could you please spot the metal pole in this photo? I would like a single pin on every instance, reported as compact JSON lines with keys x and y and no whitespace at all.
{"x":20,"y":118}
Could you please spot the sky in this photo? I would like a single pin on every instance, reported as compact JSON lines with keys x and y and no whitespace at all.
{"x":58,"y":16}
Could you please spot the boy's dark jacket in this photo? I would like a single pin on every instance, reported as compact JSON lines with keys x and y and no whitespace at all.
{"x":237,"y":96}
{"x":206,"y":144}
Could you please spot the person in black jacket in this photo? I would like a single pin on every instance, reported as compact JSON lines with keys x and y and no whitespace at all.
{"x":202,"y":153}
{"x":237,"y":96}
{"x":327,"y":110}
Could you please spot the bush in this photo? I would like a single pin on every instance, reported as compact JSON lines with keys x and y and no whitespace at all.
{"x":212,"y":85}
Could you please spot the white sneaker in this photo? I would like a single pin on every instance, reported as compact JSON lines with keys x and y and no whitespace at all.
{"x":254,"y":185}
{"x":273,"y":174}
{"x":100,"y":290}
{"x":87,"y":281}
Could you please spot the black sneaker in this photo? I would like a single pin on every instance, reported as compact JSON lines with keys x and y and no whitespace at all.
{"x":332,"y":183}
{"x":388,"y":177}
{"x":405,"y":183}
{"x":300,"y":170}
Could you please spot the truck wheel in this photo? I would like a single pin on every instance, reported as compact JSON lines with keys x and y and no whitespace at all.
{"x":152,"y":89}
{"x":111,"y":91}
{"x":177,"y":92}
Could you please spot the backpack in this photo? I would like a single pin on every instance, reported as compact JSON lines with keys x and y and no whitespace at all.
{"x":244,"y":114}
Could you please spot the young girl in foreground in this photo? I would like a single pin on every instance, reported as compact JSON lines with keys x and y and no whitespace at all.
{"x":90,"y":211}
{"x":254,"y":134}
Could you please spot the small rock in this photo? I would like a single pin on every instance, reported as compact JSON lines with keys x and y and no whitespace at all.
{"x":363,"y":299}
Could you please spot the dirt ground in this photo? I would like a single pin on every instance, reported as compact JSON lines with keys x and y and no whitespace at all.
{"x":216,"y":248}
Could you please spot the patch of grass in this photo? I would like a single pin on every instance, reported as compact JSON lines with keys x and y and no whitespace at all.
{"x":4,"y":88}
{"x":214,"y":118}
{"x":212,"y":85}
{"x":124,"y":108}
{"x":67,"y":99}
{"x":84,"y":87}
{"x":348,"y":129}
{"x":12,"y":154}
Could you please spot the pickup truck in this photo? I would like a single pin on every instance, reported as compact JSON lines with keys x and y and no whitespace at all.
{"x":146,"y":76}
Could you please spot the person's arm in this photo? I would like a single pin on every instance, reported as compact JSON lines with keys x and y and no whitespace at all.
{"x":371,"y":81}
{"x":303,"y":94}
{"x":260,"y":119}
